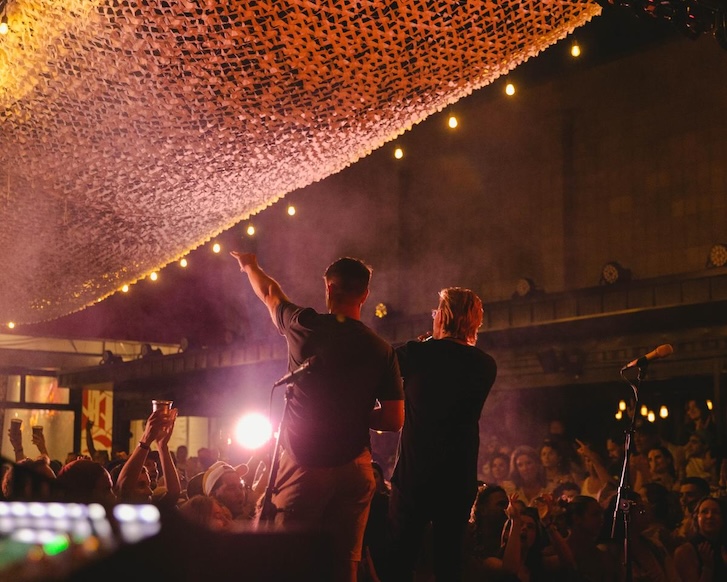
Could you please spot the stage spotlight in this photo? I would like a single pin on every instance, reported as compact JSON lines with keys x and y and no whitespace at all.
{"x":148,"y":352}
{"x":253,"y":430}
{"x":613,"y":273}
{"x":108,"y":357}
{"x":717,"y":256}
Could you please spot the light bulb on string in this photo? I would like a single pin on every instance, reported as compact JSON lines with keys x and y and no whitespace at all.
{"x":183,"y":263}
{"x":663,"y":411}
{"x":4,"y":28}
{"x":622,"y":405}
{"x":250,"y":230}
{"x":644,"y":410}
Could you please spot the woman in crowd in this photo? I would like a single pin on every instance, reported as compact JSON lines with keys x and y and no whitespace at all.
{"x":527,"y":476}
{"x":704,"y":557}
{"x":556,"y":465}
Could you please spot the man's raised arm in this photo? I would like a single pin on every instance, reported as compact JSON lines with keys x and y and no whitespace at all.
{"x":265,"y":287}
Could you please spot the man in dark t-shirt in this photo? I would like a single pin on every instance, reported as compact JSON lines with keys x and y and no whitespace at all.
{"x":446,"y":382}
{"x":325,"y":479}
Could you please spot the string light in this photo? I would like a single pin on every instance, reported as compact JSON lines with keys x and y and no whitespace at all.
{"x":622,"y":405}
{"x":452,"y":122}
{"x":11,"y":324}
{"x":183,"y":263}
{"x":510,"y":89}
{"x":4,"y":28}
{"x":619,"y":415}
{"x":250,"y":230}
{"x":709,"y":404}
{"x":663,"y":411}
{"x":644,"y":410}
{"x":154,"y":276}
{"x":651,"y":417}
{"x":575,"y":50}
{"x":216,"y":248}
{"x":291,"y":210}
{"x":398,"y":153}
{"x":125,"y":289}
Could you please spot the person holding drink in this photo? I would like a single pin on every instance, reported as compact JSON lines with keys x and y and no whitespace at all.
{"x":133,"y":483}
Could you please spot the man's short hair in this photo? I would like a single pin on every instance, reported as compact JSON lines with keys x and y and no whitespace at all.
{"x":701,"y":484}
{"x":350,"y":277}
{"x":461,"y":313}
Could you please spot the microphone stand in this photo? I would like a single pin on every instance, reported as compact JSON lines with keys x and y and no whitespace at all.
{"x":623,"y":497}
{"x":268,"y":510}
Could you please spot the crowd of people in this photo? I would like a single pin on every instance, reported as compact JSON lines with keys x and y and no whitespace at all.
{"x":452,"y":509}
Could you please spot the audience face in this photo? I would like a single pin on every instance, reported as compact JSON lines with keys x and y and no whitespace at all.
{"x":182,"y":454}
{"x":658,"y":463}
{"x":549,"y":457}
{"x":694,"y":412}
{"x":645,"y":441}
{"x":709,"y":518}
{"x":688,"y":497}
{"x":499,"y":469}
{"x":230,"y":492}
{"x":615,"y":451}
{"x":527,"y":468}
{"x":695,"y":447}
{"x":141,"y":492}
{"x":528,"y":532}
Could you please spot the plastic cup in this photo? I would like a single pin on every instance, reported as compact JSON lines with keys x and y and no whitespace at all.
{"x":163,"y":405}
{"x":15,"y":424}
{"x":38,"y":430}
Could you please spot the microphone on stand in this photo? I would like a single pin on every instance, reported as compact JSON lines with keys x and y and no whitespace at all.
{"x":661,"y":352}
{"x":301,"y":370}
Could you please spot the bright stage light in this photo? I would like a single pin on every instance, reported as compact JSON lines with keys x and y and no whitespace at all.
{"x":253,"y":430}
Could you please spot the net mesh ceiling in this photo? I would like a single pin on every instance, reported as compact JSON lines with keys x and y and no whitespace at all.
{"x":135,"y":131}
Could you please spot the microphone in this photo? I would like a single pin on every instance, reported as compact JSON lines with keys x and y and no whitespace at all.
{"x":301,"y":370}
{"x":661,"y":352}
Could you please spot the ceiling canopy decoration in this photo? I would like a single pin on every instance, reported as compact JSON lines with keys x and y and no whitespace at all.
{"x":133,"y":131}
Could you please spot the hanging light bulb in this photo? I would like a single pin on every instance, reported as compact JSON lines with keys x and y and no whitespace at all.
{"x":4,"y":28}
{"x":125,"y":289}
{"x":250,"y":230}
{"x":452,"y":122}
{"x":154,"y":276}
{"x":575,"y":49}
{"x":622,"y":405}
{"x":644,"y":410}
{"x":183,"y":263}
{"x":619,"y":415}
{"x":291,"y":210}
{"x":709,"y":404}
{"x":663,"y":411}
{"x":398,"y":153}
{"x":510,"y":89}
{"x":651,"y":417}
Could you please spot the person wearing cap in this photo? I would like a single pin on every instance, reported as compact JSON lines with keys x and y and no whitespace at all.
{"x":325,"y":480}
{"x":224,"y":482}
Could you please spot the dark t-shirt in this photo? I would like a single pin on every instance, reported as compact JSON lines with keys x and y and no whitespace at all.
{"x":445,"y":386}
{"x":328,"y":412}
